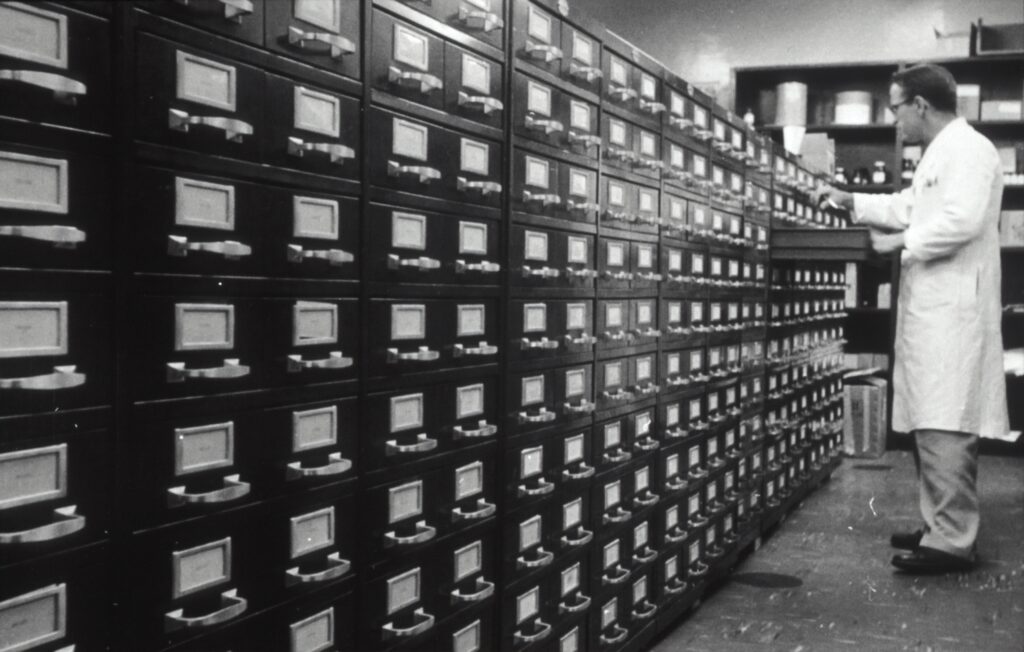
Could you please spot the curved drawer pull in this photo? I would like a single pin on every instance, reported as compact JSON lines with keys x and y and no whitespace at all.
{"x":546,"y":53}
{"x":646,"y":390}
{"x":177,"y":373}
{"x":65,"y":90}
{"x":676,"y":485}
{"x":582,"y":206}
{"x":336,"y":567}
{"x":422,"y":263}
{"x":234,"y":130}
{"x":542,"y":633}
{"x":645,"y":559}
{"x":654,"y":108}
{"x":423,"y":444}
{"x":483,"y":349}
{"x":697,"y":521}
{"x":644,"y":614}
{"x":485,"y":188}
{"x":483,"y":429}
{"x":583,"y":473}
{"x":337,"y":46}
{"x":698,"y":569}
{"x":585,"y":407}
{"x":296,"y":254}
{"x":545,"y":199}
{"x":614,"y":336}
{"x":542,"y":272}
{"x":697,"y":474}
{"x":423,"y":354}
{"x":234,"y":10}
{"x":233,"y":489}
{"x":178,"y":245}
{"x":618,"y":395}
{"x":425,"y":81}
{"x":481,"y":20}
{"x":424,"y":532}
{"x":485,"y":590}
{"x":543,"y":559}
{"x":546,"y":125}
{"x":675,"y":586}
{"x":675,"y":535}
{"x":621,"y":154}
{"x":676,"y":433}
{"x":62,"y":237}
{"x":582,"y":605}
{"x":422,"y":173}
{"x":582,"y":340}
{"x":483,"y":103}
{"x":647,"y":444}
{"x":651,"y":499}
{"x":67,"y":523}
{"x":526,"y":344}
{"x":63,"y":377}
{"x":679,"y":122}
{"x":334,"y":360}
{"x":483,"y":510}
{"x":621,"y":93}
{"x":582,"y":273}
{"x":483,"y":267}
{"x":617,"y":276}
{"x":620,"y":636}
{"x":650,"y":220}
{"x":586,"y":73}
{"x":588,"y":140}
{"x":619,"y":578}
{"x":617,"y":457}
{"x":542,"y":416}
{"x":543,"y":488}
{"x":649,"y":163}
{"x":620,"y":515}
{"x":583,"y":539}
{"x":336,"y":465}
{"x":232,"y":607}
{"x":648,"y":332}
{"x":337,"y":153}
{"x":426,"y":621}
{"x":677,"y":381}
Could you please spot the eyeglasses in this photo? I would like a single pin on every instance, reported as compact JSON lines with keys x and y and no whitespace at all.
{"x":895,"y":107}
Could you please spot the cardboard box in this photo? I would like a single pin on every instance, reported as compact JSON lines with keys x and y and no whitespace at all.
{"x":1001,"y":110}
{"x":865,"y":403}
{"x":968,"y":100}
{"x":1011,"y":229}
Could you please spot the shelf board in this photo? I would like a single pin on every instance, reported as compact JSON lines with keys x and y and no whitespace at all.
{"x":868,"y":188}
{"x":868,"y":310}
{"x":835,"y":128}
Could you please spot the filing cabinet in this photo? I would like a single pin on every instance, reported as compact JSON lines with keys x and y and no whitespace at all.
{"x":630,"y":207}
{"x":549,"y":258}
{"x":628,"y":84}
{"x":530,"y":539}
{"x":623,"y":381}
{"x":545,"y":398}
{"x":542,"y":186}
{"x":321,"y":34}
{"x":630,"y":147}
{"x":609,"y":625}
{"x":528,"y":618}
{"x":239,"y":20}
{"x":545,"y":466}
{"x":550,"y":329}
{"x":547,"y":113}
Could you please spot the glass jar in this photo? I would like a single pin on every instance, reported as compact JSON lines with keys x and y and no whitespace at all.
{"x":879,"y":175}
{"x":840,"y":175}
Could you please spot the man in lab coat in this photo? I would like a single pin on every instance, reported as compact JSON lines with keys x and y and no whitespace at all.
{"x":948,"y":372}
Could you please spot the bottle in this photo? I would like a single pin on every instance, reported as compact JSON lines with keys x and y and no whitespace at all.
{"x":840,"y":176}
{"x":879,"y":175}
{"x":907,"y":171}
{"x":748,"y":117}
{"x":860,"y":177}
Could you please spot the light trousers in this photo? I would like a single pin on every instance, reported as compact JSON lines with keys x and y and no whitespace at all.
{"x":947,"y":479}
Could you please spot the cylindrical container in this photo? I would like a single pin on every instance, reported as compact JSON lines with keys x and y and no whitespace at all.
{"x":791,"y":104}
{"x":853,"y":108}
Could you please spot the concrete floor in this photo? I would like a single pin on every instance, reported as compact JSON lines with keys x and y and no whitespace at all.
{"x":823,"y":580}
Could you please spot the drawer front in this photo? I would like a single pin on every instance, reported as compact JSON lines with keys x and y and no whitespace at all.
{"x":481,"y":19}
{"x":612,"y":500}
{"x":643,"y":375}
{"x":473,"y":632}
{"x":581,"y":63}
{"x":670,"y":523}
{"x":243,"y":21}
{"x":407,"y":61}
{"x":615,"y":264}
{"x":611,"y":564}
{"x":571,"y":636}
{"x":413,"y":245}
{"x":310,"y":340}
{"x":412,"y":156}
{"x":324,"y":34}
{"x":469,"y":567}
{"x":621,"y":81}
{"x":620,"y":204}
{"x":549,"y":258}
{"x":534,"y":469}
{"x":530,"y":542}
{"x":621,"y":143}
{"x":473,"y":84}
{"x":613,"y":444}
{"x":400,"y":607}
{"x":423,"y":335}
{"x":311,"y":129}
{"x":613,"y":324}
{"x":546,"y":329}
{"x":569,"y":590}
{"x":198,"y":101}
{"x":684,"y":167}
{"x":56,"y":66}
{"x":615,"y":385}
{"x":571,"y":516}
{"x":543,"y":186}
{"x":311,"y":235}
{"x":537,"y":36}
{"x":55,"y":494}
{"x":645,"y":266}
{"x":526,"y":616}
{"x":53,"y":208}
{"x":312,"y":544}
{"x":54,"y":349}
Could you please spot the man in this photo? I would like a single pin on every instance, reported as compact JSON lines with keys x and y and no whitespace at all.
{"x":948,"y":373}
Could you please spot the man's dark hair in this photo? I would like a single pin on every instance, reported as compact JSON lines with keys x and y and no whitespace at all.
{"x":933,"y":83}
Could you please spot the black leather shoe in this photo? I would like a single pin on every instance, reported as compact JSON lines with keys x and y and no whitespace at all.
{"x":929,"y":560}
{"x":906,"y":540}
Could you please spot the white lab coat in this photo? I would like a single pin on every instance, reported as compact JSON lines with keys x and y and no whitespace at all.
{"x":948,"y":369}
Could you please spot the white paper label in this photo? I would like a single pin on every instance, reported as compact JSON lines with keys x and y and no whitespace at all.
{"x":198,"y":327}
{"x":645,"y":256}
{"x":407,"y":412}
{"x":314,"y":428}
{"x":476,"y":74}
{"x":676,"y":157}
{"x":573,"y":449}
{"x":403,"y":590}
{"x":34,"y":328}
{"x":201,"y":204}
{"x":538,"y":172}
{"x":469,"y":480}
{"x":617,"y":72}
{"x":405,"y":501}
{"x":205,"y":81}
{"x":643,"y":368}
{"x":700,"y":116}
{"x":676,"y":104}
{"x":582,"y":49}
{"x":700,"y":165}
{"x":469,"y":401}
{"x":313,"y":634}
{"x":641,"y":479}
{"x":473,"y":238}
{"x":529,"y":533}
{"x":475,"y":157}
{"x":32,"y":34}
{"x":609,"y":613}
{"x":616,"y":132}
{"x":538,"y":24}
{"x":579,"y":116}
{"x":575,"y":382}
{"x":467,"y":639}
{"x":572,"y":513}
{"x":32,"y":476}
{"x":536,"y":246}
{"x":644,"y":312}
{"x":538,"y":98}
{"x":532,"y":390}
{"x":409,"y":139}
{"x":314,"y":323}
{"x":317,"y":112}
{"x":648,"y":144}
{"x":576,"y":316}
{"x":616,"y":194}
{"x":612,"y":374}
{"x":324,"y":14}
{"x":471,"y":321}
{"x":33,"y":183}
{"x":408,"y":322}
{"x":611,"y":554}
{"x":616,"y":254}
{"x":613,"y":316}
{"x":535,"y":317}
{"x":612,"y":495}
{"x":200,"y":448}
{"x":313,"y":217}
{"x":674,"y":363}
{"x":695,"y":409}
{"x":313,"y":531}
{"x":200,"y":567}
{"x":411,"y":48}
{"x":647,"y":201}
{"x":612,"y":434}
{"x":527,"y":605}
{"x":672,"y":415}
{"x":578,"y":250}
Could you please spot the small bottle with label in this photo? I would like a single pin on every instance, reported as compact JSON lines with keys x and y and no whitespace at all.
{"x":840,"y":175}
{"x":907,"y":171}
{"x":860,"y":177}
{"x":879,"y":175}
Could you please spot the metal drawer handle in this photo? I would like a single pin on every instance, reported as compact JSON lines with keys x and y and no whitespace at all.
{"x":233,"y":489}
{"x":647,"y":389}
{"x":699,"y":569}
{"x":423,"y":173}
{"x":651,"y":499}
{"x":543,"y":488}
{"x":65,"y":90}
{"x":614,"y":336}
{"x":590,"y":140}
{"x":546,"y":53}
{"x":617,"y":457}
{"x":234,"y":10}
{"x":483,"y":349}
{"x":680,"y":122}
{"x":582,"y":273}
{"x":334,"y":360}
{"x":677,"y":381}
{"x":542,"y":272}
{"x":649,"y":331}
{"x":296,"y":254}
{"x":679,"y":535}
{"x":522,"y":639}
{"x":583,"y":473}
{"x":63,"y":377}
{"x":234,"y":130}
{"x":67,"y":523}
{"x":423,"y":354}
{"x":483,"y":510}
{"x":582,"y":605}
{"x":585,"y":407}
{"x":546,"y":125}
{"x":545,"y":199}
{"x":649,"y":163}
{"x":621,"y":93}
{"x":482,"y":20}
{"x":542,"y":416}
{"x":426,"y":621}
{"x":425,"y":81}
{"x":336,"y":567}
{"x":644,"y":614}
{"x":233,"y":606}
{"x":485,"y":590}
{"x":582,"y":206}
{"x":651,"y":220}
{"x":676,"y":433}
{"x":177,"y":373}
{"x":649,"y":445}
{"x":621,"y":153}
{"x":421,"y":263}
{"x":582,"y":340}
{"x":617,"y":276}
{"x":337,"y":46}
{"x":583,"y":539}
{"x":586,"y":73}
{"x":697,"y":521}
{"x":619,"y":578}
{"x":620,"y":636}
{"x":526,"y":344}
{"x":485,"y":188}
{"x":620,"y":515}
{"x":483,"y":267}
{"x":653,"y":108}
{"x":675,"y":586}
{"x":676,"y":485}
{"x":644,"y":559}
{"x":336,"y":465}
{"x":483,"y":429}
{"x":337,"y":153}
{"x":618,"y":395}
{"x":543,"y":559}
{"x":424,"y":532}
{"x":424,"y":444}
{"x":486,"y":105}
{"x":62,"y":237}
{"x":697,"y":474}
{"x":178,"y":245}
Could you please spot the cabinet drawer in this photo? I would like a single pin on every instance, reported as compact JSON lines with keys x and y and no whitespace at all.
{"x":552,"y":397}
{"x":551,"y":188}
{"x":547,"y":114}
{"x":310,"y":340}
{"x":527,"y":617}
{"x":312,"y":235}
{"x":322,"y":33}
{"x":570,"y":591}
{"x":611,"y":500}
{"x":311,"y":129}
{"x":631,"y":147}
{"x":481,"y":19}
{"x":198,"y":101}
{"x":56,"y":65}
{"x":473,"y":84}
{"x":615,"y":264}
{"x":547,"y":329}
{"x":473,"y":632}
{"x":683,"y":368}
{"x":611,"y":564}
{"x":581,"y":63}
{"x":542,"y":465}
{"x":240,"y":20}
{"x":537,"y":37}
{"x":53,"y":207}
{"x":530,"y":541}
{"x":413,"y":245}
{"x":548,"y":258}
{"x":613,"y":444}
{"x":670,"y":523}
{"x":407,"y":61}
{"x":571,"y":518}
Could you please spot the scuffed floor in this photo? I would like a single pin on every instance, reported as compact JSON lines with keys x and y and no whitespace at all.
{"x":823,"y":580}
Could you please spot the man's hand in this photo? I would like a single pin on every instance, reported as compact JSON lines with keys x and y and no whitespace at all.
{"x":886,"y":243}
{"x":828,"y":197}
